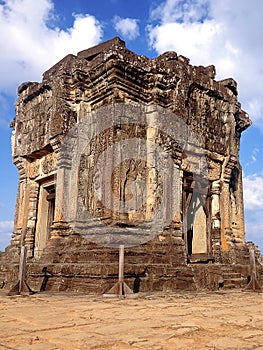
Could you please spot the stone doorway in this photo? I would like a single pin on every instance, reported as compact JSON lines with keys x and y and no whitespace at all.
{"x":45,"y":216}
{"x":196,"y":220}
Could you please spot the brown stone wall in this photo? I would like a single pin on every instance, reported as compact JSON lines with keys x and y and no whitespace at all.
{"x":106,"y":74}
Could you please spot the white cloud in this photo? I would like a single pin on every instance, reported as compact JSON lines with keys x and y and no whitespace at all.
{"x":192,"y":39}
{"x":253,"y":157}
{"x":254,"y":232}
{"x":255,"y":153}
{"x":29,"y":45}
{"x":253,"y":198}
{"x":253,"y":202}
{"x":127,"y":27}
{"x":180,"y":10}
{"x":219,"y":33}
{"x":6,"y":228}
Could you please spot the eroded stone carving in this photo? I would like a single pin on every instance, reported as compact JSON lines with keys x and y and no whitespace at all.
{"x":208,"y":226}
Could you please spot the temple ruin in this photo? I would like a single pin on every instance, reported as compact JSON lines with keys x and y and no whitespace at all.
{"x":201,"y":243}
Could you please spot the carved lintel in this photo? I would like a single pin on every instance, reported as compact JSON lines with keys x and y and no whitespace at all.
{"x":34,"y":169}
{"x":48,"y":163}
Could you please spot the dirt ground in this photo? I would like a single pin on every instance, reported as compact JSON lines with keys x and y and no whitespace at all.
{"x":219,"y":320}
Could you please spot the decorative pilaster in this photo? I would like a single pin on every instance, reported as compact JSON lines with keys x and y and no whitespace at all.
{"x":32,"y":217}
{"x":225,"y":205}
{"x":19,"y":223}
{"x":216,"y":219}
{"x":60,"y":227}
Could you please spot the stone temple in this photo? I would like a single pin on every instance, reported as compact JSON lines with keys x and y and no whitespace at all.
{"x":172,"y":194}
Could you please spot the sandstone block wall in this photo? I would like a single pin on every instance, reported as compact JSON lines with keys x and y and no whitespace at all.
{"x":106,"y":75}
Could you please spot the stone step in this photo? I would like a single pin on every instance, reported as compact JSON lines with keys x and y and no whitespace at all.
{"x":231,"y":275}
{"x":228,"y":268}
{"x":102,"y":270}
{"x":139,"y":255}
{"x":235,"y":283}
{"x":98,"y":278}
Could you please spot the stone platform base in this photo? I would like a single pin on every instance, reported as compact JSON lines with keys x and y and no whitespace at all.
{"x":73,"y":264}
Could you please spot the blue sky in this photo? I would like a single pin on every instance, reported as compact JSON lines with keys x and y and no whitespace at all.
{"x":226,"y":33}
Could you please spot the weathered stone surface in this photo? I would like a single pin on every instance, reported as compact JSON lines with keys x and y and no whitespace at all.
{"x":184,"y":255}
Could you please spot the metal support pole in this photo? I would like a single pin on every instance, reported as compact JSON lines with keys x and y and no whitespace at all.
{"x":120,"y":289}
{"x":121,"y":269}
{"x":21,"y":286}
{"x":22,"y":268}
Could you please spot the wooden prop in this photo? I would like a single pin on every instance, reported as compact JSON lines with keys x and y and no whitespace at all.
{"x":120,"y":289}
{"x":253,"y":284}
{"x":21,"y":287}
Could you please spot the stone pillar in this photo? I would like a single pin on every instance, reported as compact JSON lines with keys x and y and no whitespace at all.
{"x":21,"y":203}
{"x":151,"y":135}
{"x":216,"y":219}
{"x":26,"y":208}
{"x":241,"y":207}
{"x":225,"y":203}
{"x":60,"y":226}
{"x":16,"y":236}
{"x":177,"y":222}
{"x":215,"y":204}
{"x":33,"y":188}
{"x":237,"y":208}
